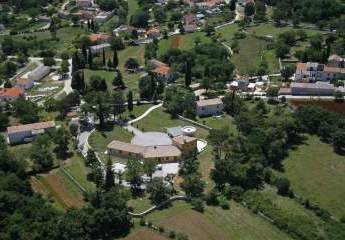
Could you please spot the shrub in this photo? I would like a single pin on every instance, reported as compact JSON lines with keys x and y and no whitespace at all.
{"x":223,"y":202}
{"x":283,"y":186}
{"x":142,"y":222}
{"x":211,"y":197}
{"x":161,"y":229}
{"x":198,"y":204}
{"x":172,"y":234}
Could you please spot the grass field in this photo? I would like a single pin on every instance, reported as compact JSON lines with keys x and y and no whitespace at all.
{"x":227,"y":32}
{"x":78,"y":170}
{"x":145,"y":234}
{"x":183,"y":42}
{"x":158,"y":120}
{"x":102,"y":137}
{"x":65,"y":36}
{"x":137,"y":111}
{"x":215,"y":223}
{"x":217,"y":122}
{"x":317,"y":173}
{"x":251,"y":50}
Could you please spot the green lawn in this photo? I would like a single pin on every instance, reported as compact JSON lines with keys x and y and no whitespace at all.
{"x":215,"y":223}
{"x":140,"y":204}
{"x":78,"y":170}
{"x":133,"y":6}
{"x":100,"y":138}
{"x":227,"y":32}
{"x":317,"y":173}
{"x":183,"y":42}
{"x":270,"y":29}
{"x":137,"y":111}
{"x":218,"y":122}
{"x":65,"y":36}
{"x":251,"y":50}
{"x":159,"y":120}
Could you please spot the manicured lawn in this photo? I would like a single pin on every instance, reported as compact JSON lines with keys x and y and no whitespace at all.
{"x":137,"y":111}
{"x":269,"y":29}
{"x":227,"y":32}
{"x":102,"y":137}
{"x":217,"y":122}
{"x":251,"y":50}
{"x":109,"y":76}
{"x":158,"y":120}
{"x":317,"y":173}
{"x":78,"y":170}
{"x":140,"y":204}
{"x":215,"y":223}
{"x":183,"y":42}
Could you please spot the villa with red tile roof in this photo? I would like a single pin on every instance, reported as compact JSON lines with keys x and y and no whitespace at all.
{"x":99,"y":37}
{"x":162,"y":70}
{"x":10,"y":94}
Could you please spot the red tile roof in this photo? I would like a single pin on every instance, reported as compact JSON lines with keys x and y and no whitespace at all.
{"x":11,"y":92}
{"x":98,"y":37}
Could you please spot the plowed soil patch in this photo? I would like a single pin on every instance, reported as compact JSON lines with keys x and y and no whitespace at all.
{"x":196,"y":225}
{"x":145,"y":234}
{"x":329,"y":105}
{"x":54,"y":184}
{"x":176,"y":41}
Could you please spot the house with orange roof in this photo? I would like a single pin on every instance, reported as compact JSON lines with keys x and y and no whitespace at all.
{"x":99,"y":37}
{"x":161,"y":70}
{"x":10,"y":94}
{"x":153,"y":33}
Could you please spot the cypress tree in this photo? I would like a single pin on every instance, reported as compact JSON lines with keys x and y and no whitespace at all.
{"x":188,"y":74}
{"x":90,"y":59}
{"x":115,"y":59}
{"x":109,"y":176}
{"x":130,"y":101}
{"x":103,"y":55}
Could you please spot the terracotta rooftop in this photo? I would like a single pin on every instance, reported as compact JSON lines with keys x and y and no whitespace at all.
{"x":161,"y":151}
{"x":209,"y":102}
{"x":301,"y":67}
{"x":98,"y":37}
{"x":162,"y":70}
{"x":127,"y":147}
{"x":30,"y":127}
{"x":22,"y":81}
{"x":184,"y":139}
{"x":11,"y":92}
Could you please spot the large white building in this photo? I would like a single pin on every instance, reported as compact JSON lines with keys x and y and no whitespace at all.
{"x":209,"y":107}
{"x":22,"y":133}
{"x":312,"y":89}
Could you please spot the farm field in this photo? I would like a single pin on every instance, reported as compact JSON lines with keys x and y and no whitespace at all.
{"x":215,"y":223}
{"x":145,"y":234}
{"x":317,"y":173}
{"x":329,"y":105}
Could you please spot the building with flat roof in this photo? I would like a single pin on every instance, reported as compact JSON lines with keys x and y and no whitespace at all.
{"x":22,"y":133}
{"x":316,"y":89}
{"x":209,"y":107}
{"x":312,"y":72}
{"x":187,"y":144}
{"x":100,"y":48}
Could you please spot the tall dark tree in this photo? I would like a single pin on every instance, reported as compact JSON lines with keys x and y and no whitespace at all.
{"x":109,"y":176}
{"x":118,"y":80}
{"x":130,"y":101}
{"x":90,"y":59}
{"x":233,"y":5}
{"x":78,"y":82}
{"x":118,"y":103}
{"x":115,"y":59}
{"x":188,"y":73}
{"x":103,"y":57}
{"x":61,"y":139}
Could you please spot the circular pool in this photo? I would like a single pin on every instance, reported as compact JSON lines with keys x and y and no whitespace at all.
{"x":188,"y":130}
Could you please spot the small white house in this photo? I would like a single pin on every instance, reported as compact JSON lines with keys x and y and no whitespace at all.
{"x":22,"y":133}
{"x":209,"y":107}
